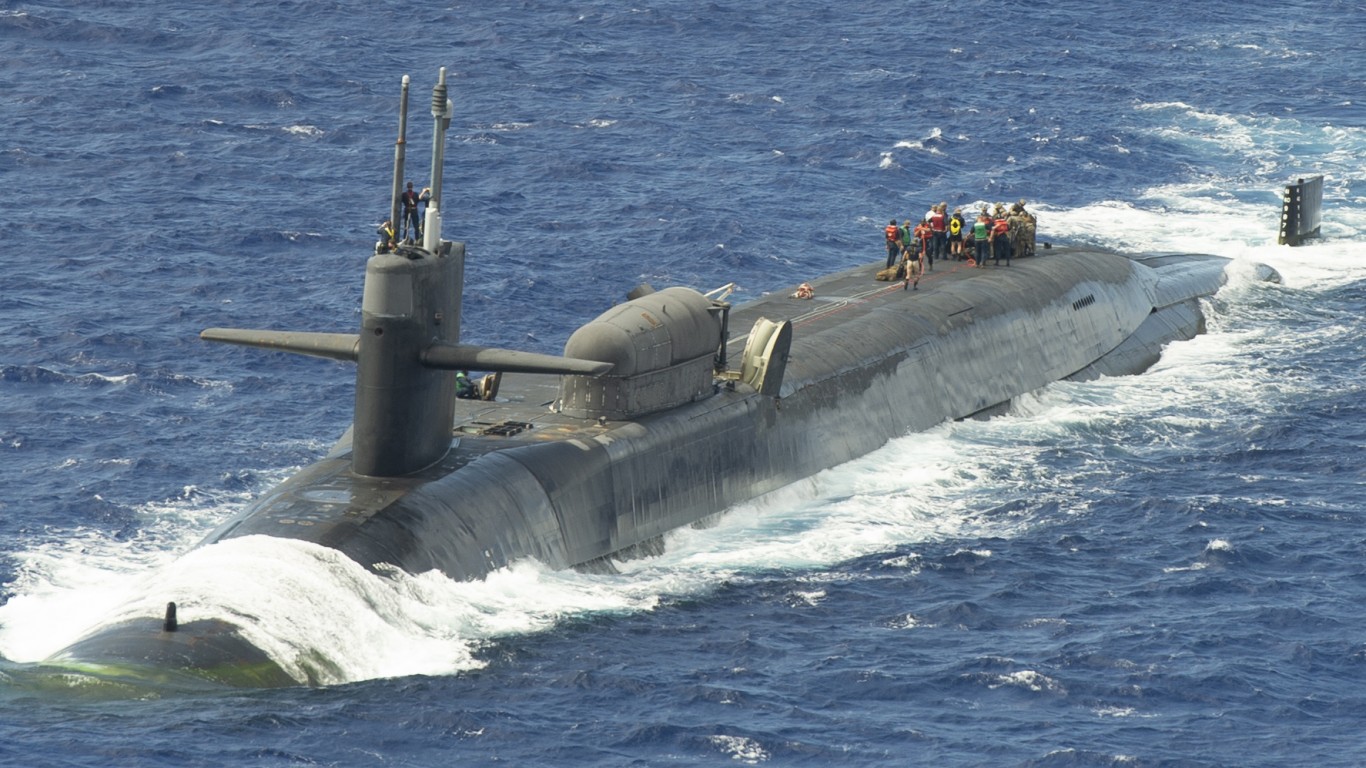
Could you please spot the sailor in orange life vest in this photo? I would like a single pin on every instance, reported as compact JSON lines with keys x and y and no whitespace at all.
{"x":1000,"y":236}
{"x":924,"y":238}
{"x":893,"y":234}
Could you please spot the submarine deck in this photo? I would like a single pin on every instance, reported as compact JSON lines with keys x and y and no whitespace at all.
{"x":524,"y":400}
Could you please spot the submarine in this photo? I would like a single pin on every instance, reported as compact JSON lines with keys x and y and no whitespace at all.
{"x":665,"y":410}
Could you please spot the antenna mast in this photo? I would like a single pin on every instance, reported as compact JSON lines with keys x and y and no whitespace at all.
{"x":441,"y":117}
{"x":399,"y":148}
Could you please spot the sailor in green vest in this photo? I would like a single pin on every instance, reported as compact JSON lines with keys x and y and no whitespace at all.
{"x":980,"y":231}
{"x":464,"y":388}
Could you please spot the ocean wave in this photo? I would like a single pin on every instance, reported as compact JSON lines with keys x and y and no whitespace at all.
{"x":203,"y":165}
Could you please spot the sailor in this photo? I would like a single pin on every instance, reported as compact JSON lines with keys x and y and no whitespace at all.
{"x":464,"y":388}
{"x":912,"y":267}
{"x":1028,"y":228}
{"x":1016,"y":222}
{"x":981,"y":236}
{"x":939,"y":225}
{"x":925,"y":235}
{"x":893,"y":234}
{"x":424,"y":199}
{"x":956,"y":234}
{"x":386,"y":237}
{"x":410,"y":217}
{"x":1000,"y":236}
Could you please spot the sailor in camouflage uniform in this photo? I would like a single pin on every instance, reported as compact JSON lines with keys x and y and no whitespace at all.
{"x":1022,"y":228}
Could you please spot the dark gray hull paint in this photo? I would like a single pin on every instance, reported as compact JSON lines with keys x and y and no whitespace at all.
{"x":869,"y":362}
{"x":1301,"y":211}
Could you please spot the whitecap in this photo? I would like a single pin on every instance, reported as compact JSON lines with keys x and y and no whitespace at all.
{"x":741,"y":748}
{"x":1030,"y":681}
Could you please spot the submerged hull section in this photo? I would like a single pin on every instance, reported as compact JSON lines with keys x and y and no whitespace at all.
{"x":868,"y":362}
{"x":208,"y":650}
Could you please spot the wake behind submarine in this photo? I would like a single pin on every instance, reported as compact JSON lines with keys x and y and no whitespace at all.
{"x":664,"y":410}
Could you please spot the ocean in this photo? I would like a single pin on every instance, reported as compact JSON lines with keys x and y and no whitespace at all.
{"x":1157,"y":570}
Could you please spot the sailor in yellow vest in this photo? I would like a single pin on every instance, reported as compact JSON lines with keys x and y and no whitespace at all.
{"x":956,"y":226}
{"x":387,"y":240}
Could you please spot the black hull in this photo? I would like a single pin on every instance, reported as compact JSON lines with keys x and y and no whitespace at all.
{"x":869,"y":362}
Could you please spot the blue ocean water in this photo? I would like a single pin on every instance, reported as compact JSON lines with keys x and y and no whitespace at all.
{"x":1155,"y":570}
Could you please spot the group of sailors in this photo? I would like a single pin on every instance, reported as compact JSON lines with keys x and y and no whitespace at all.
{"x":994,"y":234}
{"x":411,"y":217}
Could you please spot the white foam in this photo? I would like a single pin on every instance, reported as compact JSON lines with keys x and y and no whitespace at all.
{"x":1029,"y":680}
{"x":319,"y":614}
{"x":740,"y":748}
{"x":303,"y":130}
{"x":324,"y":617}
{"x":1219,"y":545}
{"x":69,"y":580}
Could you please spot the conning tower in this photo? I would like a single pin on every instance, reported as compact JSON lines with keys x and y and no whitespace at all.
{"x":408,"y":348}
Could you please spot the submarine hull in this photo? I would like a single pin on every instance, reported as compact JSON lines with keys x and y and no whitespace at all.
{"x":868,"y":362}
{"x":205,"y":650}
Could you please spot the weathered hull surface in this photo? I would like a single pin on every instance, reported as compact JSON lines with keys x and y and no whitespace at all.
{"x":869,"y":362}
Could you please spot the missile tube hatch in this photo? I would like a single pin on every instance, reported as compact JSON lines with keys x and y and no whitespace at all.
{"x":662,"y":347}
